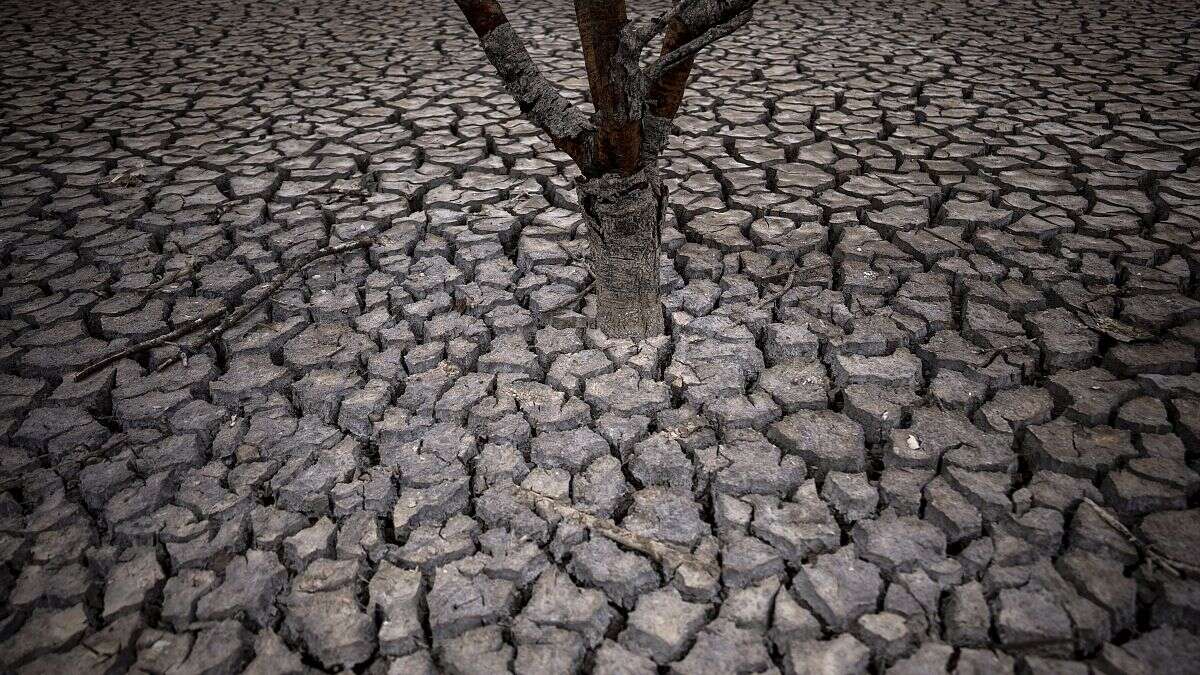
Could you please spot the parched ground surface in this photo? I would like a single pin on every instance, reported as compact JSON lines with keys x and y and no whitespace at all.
{"x":989,"y":216}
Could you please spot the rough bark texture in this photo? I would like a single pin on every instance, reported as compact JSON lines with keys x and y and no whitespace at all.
{"x":568,"y":128}
{"x":536,"y":96}
{"x":613,"y":85}
{"x":691,"y":20}
{"x":656,"y":131}
{"x":666,"y":91}
{"x":624,"y":218}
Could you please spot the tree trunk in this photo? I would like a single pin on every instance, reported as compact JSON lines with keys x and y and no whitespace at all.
{"x":616,"y":147}
{"x":624,"y":219}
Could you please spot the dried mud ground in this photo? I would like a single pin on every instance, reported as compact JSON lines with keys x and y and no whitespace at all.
{"x":931,"y":277}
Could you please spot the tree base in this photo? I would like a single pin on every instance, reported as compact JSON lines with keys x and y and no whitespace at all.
{"x":624,"y":217}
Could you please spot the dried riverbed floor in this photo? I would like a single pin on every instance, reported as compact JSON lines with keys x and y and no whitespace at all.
{"x":931,"y":277}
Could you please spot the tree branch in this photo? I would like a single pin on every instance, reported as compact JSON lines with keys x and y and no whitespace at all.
{"x":243,"y":311}
{"x":635,"y":35}
{"x":575,"y":297}
{"x":616,"y":85}
{"x":772,"y":297}
{"x":186,"y":328}
{"x":568,"y":128}
{"x":689,"y":49}
{"x":229,"y":319}
{"x":1152,"y":556}
{"x":670,"y":556}
{"x":687,"y":21}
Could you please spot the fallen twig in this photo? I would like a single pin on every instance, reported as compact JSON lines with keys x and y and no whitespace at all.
{"x":193,"y":325}
{"x":187,"y":271}
{"x":1169,"y":564}
{"x":129,"y":177}
{"x":666,"y":554}
{"x":777,"y":276}
{"x":367,"y":184}
{"x":998,"y":351}
{"x":186,"y":328}
{"x":656,"y":69}
{"x":1121,"y":332}
{"x":787,"y":286}
{"x":183,"y":273}
{"x":569,"y":301}
{"x":245,"y":310}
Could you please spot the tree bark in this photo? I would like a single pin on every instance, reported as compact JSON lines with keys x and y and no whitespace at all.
{"x":621,"y":195}
{"x":666,"y":92}
{"x":624,"y":219}
{"x":691,"y":20}
{"x":614,"y":95}
{"x":568,"y":128}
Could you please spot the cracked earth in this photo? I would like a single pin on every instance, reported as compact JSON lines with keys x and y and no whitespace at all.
{"x":931,"y":280}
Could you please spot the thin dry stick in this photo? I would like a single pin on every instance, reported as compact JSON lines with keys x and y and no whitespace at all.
{"x":998,"y":351}
{"x":193,"y":325}
{"x":1169,"y":564}
{"x":245,"y":310}
{"x":170,"y":278}
{"x":181,"y":275}
{"x":1121,"y":332}
{"x":186,"y":328}
{"x":178,"y":275}
{"x":571,"y":300}
{"x":777,"y":276}
{"x":787,"y":286}
{"x":666,"y":554}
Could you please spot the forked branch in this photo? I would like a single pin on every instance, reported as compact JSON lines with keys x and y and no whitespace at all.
{"x":634,"y":107}
{"x":686,"y":22}
{"x":616,"y":84}
{"x":568,"y":128}
{"x":689,"y":49}
{"x":637,"y":34}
